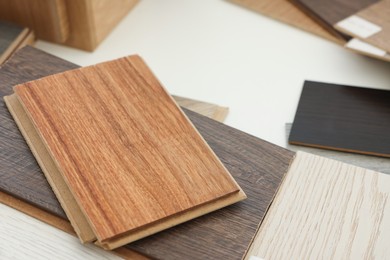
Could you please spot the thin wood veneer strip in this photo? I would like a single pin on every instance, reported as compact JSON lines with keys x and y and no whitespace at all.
{"x":149,"y":189}
{"x":327,"y":209}
{"x":257,"y":165}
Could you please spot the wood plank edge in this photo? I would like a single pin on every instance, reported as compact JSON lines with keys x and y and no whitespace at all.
{"x":60,"y":188}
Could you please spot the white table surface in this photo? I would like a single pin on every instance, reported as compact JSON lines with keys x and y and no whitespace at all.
{"x":213,"y":51}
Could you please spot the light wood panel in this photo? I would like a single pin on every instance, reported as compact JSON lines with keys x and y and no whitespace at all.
{"x":207,"y":109}
{"x":327,"y":209}
{"x":286,"y":12}
{"x":257,"y":165}
{"x":161,"y":175}
{"x":48,"y":18}
{"x":90,"y":21}
{"x":379,"y":15}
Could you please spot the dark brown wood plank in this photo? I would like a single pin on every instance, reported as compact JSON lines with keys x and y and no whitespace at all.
{"x":257,"y":166}
{"x":329,"y":12}
{"x":343,"y":118}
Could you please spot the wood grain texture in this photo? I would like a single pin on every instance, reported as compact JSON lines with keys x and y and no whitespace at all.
{"x":327,"y":209}
{"x":343,"y":118}
{"x":19,"y":172}
{"x":207,"y":109}
{"x":133,"y":162}
{"x":328,"y":12}
{"x":284,"y":11}
{"x":378,"y":14}
{"x":90,"y":21}
{"x":258,"y":167}
{"x":48,"y":18}
{"x":378,"y":164}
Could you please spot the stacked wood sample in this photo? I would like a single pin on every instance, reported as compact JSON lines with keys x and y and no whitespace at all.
{"x":257,"y":166}
{"x":344,"y":118}
{"x":119,"y":147}
{"x":13,"y":37}
{"x":48,"y":18}
{"x":326,"y":209}
{"x":284,"y":11}
{"x":322,"y":18}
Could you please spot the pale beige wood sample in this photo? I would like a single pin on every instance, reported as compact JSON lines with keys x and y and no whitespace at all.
{"x":286,"y":12}
{"x":114,"y":206}
{"x":48,"y":18}
{"x":327,"y":209}
{"x":210,"y":110}
{"x":90,"y":21}
{"x":379,"y":15}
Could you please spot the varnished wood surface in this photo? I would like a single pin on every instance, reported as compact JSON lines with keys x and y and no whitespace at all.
{"x":375,"y":163}
{"x":378,"y":14}
{"x":326,"y":209}
{"x":343,"y":118}
{"x":48,"y":18}
{"x":258,"y":167}
{"x":91,"y":21}
{"x":329,"y":12}
{"x":127,"y":153}
{"x":286,"y":12}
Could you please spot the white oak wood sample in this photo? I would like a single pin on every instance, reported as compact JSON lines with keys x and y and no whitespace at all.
{"x":327,"y":209}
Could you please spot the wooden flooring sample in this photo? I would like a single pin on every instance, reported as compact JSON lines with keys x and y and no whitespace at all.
{"x":129,"y":156}
{"x":372,"y":25}
{"x":343,"y":118}
{"x":207,"y":109}
{"x":48,"y":18}
{"x":286,"y":12}
{"x":329,"y":12}
{"x":326,"y":209}
{"x":258,"y":167}
{"x":375,"y":163}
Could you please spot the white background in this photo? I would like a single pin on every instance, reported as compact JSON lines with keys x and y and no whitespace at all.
{"x":214,"y":51}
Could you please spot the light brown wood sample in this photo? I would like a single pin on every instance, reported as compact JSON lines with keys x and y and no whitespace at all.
{"x":377,"y":14}
{"x":48,"y":18}
{"x":132,"y":160}
{"x":326,"y":209}
{"x":207,"y":109}
{"x":286,"y":12}
{"x":90,"y":21}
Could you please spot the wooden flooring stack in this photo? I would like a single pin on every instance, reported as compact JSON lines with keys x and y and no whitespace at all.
{"x":257,"y":166}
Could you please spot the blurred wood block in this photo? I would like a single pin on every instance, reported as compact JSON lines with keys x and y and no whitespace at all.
{"x":90,"y":21}
{"x":327,"y":209}
{"x":286,"y":12}
{"x":119,"y":153}
{"x":257,"y":165}
{"x":12,"y":38}
{"x":47,"y":18}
